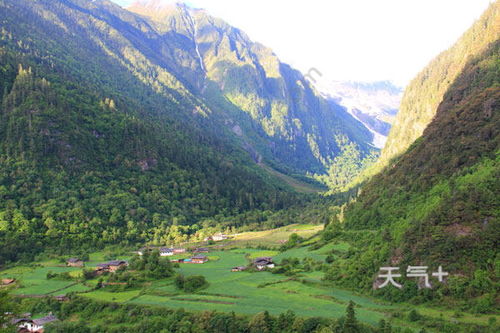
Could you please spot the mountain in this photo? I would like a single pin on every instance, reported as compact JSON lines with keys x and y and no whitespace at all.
{"x":374,"y":104}
{"x":425,"y":92}
{"x":437,"y":203}
{"x":125,"y":126}
{"x":299,"y":129}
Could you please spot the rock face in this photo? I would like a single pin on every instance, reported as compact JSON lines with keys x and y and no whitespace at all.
{"x":375,"y":104}
{"x":299,"y":127}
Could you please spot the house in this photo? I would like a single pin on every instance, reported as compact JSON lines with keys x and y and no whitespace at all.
{"x":201,"y":250}
{"x":6,"y":282}
{"x":114,"y":265}
{"x":33,"y":325}
{"x":199,"y":259}
{"x":263,"y":263}
{"x":238,"y":269}
{"x":110,"y":266}
{"x":179,"y":250}
{"x":74,"y":262}
{"x":166,"y":252}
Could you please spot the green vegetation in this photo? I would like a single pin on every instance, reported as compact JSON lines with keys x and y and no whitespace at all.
{"x":213,"y":287}
{"x":191,"y":283}
{"x":425,"y":93}
{"x":107,"y":141}
{"x":438,"y":203}
{"x":151,"y":265}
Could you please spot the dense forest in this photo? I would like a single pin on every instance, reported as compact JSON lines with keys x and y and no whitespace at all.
{"x":114,"y":131}
{"x":437,"y":204}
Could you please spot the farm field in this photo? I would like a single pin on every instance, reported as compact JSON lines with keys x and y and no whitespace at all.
{"x":250,"y":293}
{"x":241,"y":292}
{"x":273,"y":237}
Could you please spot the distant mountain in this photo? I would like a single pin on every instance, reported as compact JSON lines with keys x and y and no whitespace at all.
{"x":437,"y":201}
{"x":375,"y":104}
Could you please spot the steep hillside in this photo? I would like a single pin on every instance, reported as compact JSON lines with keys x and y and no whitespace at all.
{"x":299,"y":129}
{"x":99,"y":144}
{"x":438,"y":203}
{"x":425,"y":93}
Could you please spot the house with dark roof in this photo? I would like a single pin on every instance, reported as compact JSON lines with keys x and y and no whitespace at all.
{"x":199,"y":259}
{"x":74,"y":262}
{"x":33,"y":325}
{"x":110,"y":266}
{"x":263,"y":263}
{"x":166,"y":252}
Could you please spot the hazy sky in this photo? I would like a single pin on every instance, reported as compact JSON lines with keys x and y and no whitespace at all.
{"x":351,"y":39}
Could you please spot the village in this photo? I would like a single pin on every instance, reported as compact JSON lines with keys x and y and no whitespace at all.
{"x":195,"y":255}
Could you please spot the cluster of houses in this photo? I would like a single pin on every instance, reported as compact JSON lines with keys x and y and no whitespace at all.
{"x":197,"y":259}
{"x":168,"y":251}
{"x":25,"y":325}
{"x":110,"y":266}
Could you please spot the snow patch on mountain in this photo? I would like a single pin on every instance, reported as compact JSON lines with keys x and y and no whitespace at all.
{"x":374,"y":104}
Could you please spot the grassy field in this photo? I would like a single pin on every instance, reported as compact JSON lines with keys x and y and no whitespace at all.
{"x":297,"y":185}
{"x":241,"y":292}
{"x":274,"y":237}
{"x":250,"y":293}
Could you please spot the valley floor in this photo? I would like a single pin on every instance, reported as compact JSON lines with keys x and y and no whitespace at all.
{"x":242,"y":292}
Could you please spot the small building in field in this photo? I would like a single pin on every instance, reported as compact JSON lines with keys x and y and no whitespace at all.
{"x":199,"y":259}
{"x":33,"y":325}
{"x":263,"y":263}
{"x":238,"y":269}
{"x":7,"y":282}
{"x":110,"y":266}
{"x":179,"y":250}
{"x":75,"y":262}
{"x":166,"y":252}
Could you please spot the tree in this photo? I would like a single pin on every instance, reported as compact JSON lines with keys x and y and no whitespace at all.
{"x":6,"y":306}
{"x":261,"y":323}
{"x":413,"y":315}
{"x":350,"y":322}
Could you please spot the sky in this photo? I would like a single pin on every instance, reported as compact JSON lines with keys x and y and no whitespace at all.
{"x":359,"y":40}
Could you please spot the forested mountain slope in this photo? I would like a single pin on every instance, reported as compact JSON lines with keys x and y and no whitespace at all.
{"x":438,"y":203}
{"x":425,"y":92}
{"x":101,"y":143}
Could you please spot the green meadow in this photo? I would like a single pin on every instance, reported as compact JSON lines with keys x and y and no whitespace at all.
{"x":246,"y":292}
